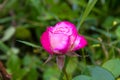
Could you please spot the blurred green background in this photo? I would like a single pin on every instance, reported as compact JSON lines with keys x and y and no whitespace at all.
{"x":26,"y":20}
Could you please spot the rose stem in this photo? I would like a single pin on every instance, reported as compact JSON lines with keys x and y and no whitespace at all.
{"x":64,"y":70}
{"x":84,"y":57}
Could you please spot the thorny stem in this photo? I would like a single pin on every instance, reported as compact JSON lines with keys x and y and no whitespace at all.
{"x":3,"y":72}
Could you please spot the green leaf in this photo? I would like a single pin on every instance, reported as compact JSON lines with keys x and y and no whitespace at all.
{"x":32,"y":75}
{"x":89,"y":7}
{"x":15,"y":50}
{"x":99,"y":73}
{"x":57,"y":12}
{"x":26,"y":34}
{"x":8,"y":51}
{"x":28,"y":60}
{"x":102,"y":31}
{"x":113,"y":66}
{"x":82,"y":77}
{"x":29,"y":44}
{"x":13,"y":63}
{"x":36,"y":4}
{"x":108,"y":23}
{"x":72,"y":65}
{"x":6,"y":19}
{"x":30,"y":63}
{"x":23,"y":72}
{"x":51,"y":73}
{"x":118,"y":32}
{"x":4,"y":47}
{"x":11,"y":3}
{"x":8,"y":33}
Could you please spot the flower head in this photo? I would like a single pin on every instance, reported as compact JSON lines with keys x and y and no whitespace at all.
{"x":62,"y":38}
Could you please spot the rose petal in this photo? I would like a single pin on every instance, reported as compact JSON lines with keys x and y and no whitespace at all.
{"x":72,"y":39}
{"x":45,"y":41}
{"x":65,"y":27}
{"x":80,"y":42}
{"x":59,"y":43}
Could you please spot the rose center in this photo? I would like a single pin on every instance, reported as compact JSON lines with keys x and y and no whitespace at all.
{"x":64,"y":30}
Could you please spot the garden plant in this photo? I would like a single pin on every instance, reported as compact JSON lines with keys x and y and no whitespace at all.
{"x":59,"y":39}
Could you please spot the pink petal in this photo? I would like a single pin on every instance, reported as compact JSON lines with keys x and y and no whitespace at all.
{"x":59,"y":43}
{"x":45,"y":41}
{"x":72,"y":39}
{"x":65,"y":27}
{"x":80,"y":42}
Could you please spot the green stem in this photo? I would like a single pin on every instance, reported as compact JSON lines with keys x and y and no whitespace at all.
{"x":84,"y":57}
{"x":66,"y":75}
{"x":64,"y":70}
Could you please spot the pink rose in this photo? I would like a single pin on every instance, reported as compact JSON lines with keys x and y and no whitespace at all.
{"x":62,"y":38}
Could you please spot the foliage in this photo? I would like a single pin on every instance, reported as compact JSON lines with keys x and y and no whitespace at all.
{"x":23,"y":21}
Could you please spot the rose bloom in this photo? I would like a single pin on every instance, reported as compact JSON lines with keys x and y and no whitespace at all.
{"x":62,"y":38}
